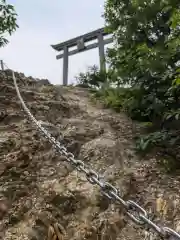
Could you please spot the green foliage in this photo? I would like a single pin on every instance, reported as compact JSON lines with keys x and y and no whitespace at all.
{"x":113,"y":97}
{"x":147,"y":49}
{"x":7,"y":21}
{"x":146,"y":56}
{"x":93,"y":78}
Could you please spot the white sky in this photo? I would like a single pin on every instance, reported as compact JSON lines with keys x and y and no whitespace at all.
{"x":42,"y":23}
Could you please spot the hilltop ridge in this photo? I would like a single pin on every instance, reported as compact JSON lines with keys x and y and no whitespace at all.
{"x":40,"y":188}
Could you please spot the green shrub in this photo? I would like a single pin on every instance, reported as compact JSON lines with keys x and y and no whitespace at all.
{"x":147,"y":57}
{"x":93,"y":78}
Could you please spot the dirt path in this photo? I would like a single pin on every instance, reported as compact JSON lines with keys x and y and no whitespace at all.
{"x":42,"y":189}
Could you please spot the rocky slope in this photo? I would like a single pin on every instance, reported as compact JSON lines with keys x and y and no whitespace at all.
{"x":39,"y":189}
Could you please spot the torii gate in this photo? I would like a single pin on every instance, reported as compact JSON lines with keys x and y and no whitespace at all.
{"x":79,"y":42}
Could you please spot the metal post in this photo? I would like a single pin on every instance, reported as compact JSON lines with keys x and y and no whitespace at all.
{"x":101,"y":53}
{"x":65,"y":66}
{"x":2,"y":65}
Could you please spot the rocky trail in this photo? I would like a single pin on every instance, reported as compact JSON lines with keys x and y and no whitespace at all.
{"x":39,"y":189}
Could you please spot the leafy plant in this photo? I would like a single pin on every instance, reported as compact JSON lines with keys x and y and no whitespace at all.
{"x":146,"y":57}
{"x":93,"y":78}
{"x":8,"y":18}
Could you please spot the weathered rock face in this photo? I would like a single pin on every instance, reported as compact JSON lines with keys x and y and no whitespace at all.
{"x":38,"y":188}
{"x":43,"y":82}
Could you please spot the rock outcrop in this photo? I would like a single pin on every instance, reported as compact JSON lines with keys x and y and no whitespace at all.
{"x":38,"y":188}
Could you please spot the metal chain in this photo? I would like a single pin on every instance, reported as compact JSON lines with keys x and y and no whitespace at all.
{"x":133,"y":210}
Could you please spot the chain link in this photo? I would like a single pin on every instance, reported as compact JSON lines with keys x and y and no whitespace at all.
{"x":134,"y":211}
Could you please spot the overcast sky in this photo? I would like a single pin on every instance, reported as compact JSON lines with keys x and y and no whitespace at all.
{"x":42,"y":23}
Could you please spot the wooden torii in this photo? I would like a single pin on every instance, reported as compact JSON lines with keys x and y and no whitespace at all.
{"x":79,"y":42}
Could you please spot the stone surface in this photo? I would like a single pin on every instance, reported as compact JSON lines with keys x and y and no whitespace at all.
{"x":41,"y":188}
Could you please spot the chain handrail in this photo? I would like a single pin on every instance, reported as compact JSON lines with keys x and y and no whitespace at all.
{"x":133,"y":210}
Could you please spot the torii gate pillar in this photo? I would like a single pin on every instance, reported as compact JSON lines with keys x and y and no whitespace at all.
{"x":102,"y":61}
